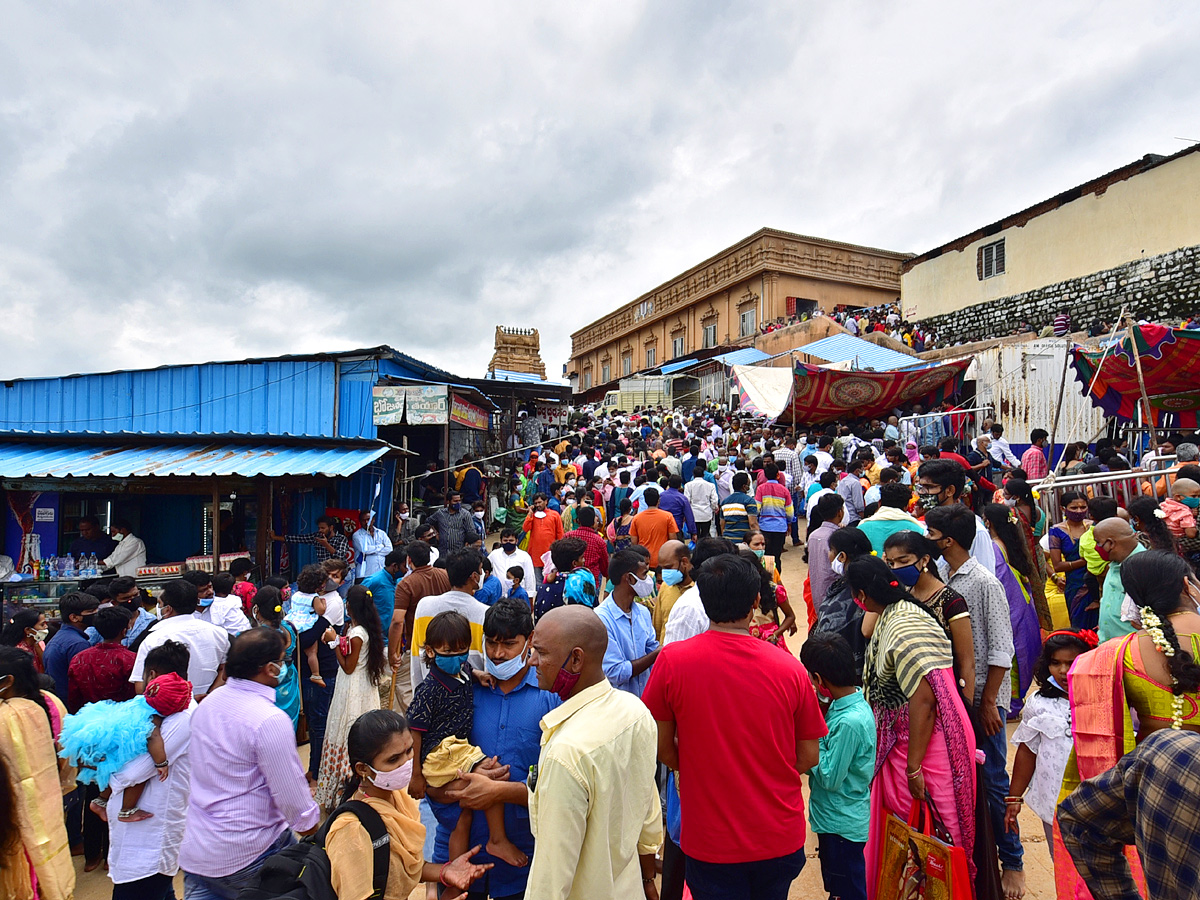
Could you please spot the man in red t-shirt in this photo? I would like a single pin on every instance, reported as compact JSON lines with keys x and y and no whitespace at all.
{"x":747,"y":723}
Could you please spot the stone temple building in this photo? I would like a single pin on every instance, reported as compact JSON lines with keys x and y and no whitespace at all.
{"x":517,"y":350}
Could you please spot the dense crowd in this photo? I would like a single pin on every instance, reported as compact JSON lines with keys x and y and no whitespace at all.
{"x":619,"y":698}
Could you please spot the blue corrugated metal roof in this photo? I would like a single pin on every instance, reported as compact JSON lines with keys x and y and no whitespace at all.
{"x":521,"y":377}
{"x":680,"y":365}
{"x":84,"y":458}
{"x":845,"y":347}
{"x":747,"y":356}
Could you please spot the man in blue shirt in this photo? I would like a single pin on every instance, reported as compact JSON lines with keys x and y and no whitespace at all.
{"x":632,"y":645}
{"x":507,"y":726}
{"x":76,"y":610}
{"x":674,"y":501}
{"x":382,"y":586}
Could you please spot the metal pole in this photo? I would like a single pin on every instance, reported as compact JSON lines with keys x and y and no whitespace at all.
{"x":1062,"y":386}
{"x":1137,"y":361}
{"x":216,"y":526}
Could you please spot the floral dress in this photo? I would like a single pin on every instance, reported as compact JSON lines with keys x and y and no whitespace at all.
{"x":353,"y":694}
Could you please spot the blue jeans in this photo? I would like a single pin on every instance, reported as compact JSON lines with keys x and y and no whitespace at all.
{"x":227,"y":887}
{"x":763,"y":879}
{"x":995,"y":748}
{"x":843,"y":867}
{"x":316,"y":711}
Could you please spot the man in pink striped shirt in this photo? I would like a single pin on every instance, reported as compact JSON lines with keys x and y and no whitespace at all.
{"x":1033,"y":460}
{"x":248,"y":789}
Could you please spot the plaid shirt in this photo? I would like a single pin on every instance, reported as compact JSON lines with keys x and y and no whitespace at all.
{"x":789,"y":461}
{"x":1148,"y":799}
{"x":596,"y":555}
{"x":340,"y":545}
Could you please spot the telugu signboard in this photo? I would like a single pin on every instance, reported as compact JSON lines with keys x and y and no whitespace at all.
{"x":416,"y":404}
{"x":464,"y":413}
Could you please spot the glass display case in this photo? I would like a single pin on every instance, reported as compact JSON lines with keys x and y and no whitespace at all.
{"x":44,"y":595}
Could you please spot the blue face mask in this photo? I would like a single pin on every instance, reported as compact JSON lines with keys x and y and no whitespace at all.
{"x":672,"y":577}
{"x":503,"y":671}
{"x":1193,"y":502}
{"x":284,"y":669}
{"x":451,"y":664}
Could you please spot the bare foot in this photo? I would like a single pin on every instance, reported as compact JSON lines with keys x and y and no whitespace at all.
{"x":317,"y":680}
{"x":134,"y":815}
{"x":97,"y":806}
{"x":509,"y":852}
{"x":1012,"y":882}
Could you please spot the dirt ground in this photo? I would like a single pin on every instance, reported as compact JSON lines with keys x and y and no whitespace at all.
{"x":1039,"y":872}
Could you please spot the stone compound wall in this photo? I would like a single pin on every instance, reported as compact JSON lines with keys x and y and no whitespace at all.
{"x":1162,"y":288}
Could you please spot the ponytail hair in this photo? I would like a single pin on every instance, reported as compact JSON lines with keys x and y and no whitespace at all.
{"x":1002,"y":520}
{"x":366,"y":740}
{"x":1155,"y":580}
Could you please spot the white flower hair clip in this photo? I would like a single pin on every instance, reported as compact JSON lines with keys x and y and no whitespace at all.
{"x":1159,"y":514}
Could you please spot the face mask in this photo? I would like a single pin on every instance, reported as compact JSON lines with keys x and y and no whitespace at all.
{"x":118,"y":537}
{"x":907,"y":575}
{"x":1010,"y":502}
{"x":1192,"y":502}
{"x":858,"y":603}
{"x":510,"y":549}
{"x":928,"y":501}
{"x":455,"y":507}
{"x":205,"y":602}
{"x":838,"y":566}
{"x":564,"y":683}
{"x":396,"y":779}
{"x":570,"y":482}
{"x":478,"y":514}
{"x":282,"y":674}
{"x":1054,"y":681}
{"x":644,"y":587}
{"x":760,"y":553}
{"x":1103,"y":552}
{"x":1074,"y":515}
{"x":503,"y":671}
{"x":403,"y":517}
{"x":41,"y":634}
{"x":672,"y":577}
{"x":450,"y":664}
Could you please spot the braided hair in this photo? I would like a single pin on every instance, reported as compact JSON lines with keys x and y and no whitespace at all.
{"x":873,"y":577}
{"x":1145,"y":510}
{"x":1000,"y":517}
{"x":1157,"y":579}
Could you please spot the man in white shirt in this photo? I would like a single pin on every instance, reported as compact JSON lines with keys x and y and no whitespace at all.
{"x":130,"y":553}
{"x":207,"y":644}
{"x":221,"y":609}
{"x":824,"y":457}
{"x":507,"y":555}
{"x":1000,"y":449}
{"x":371,"y":545}
{"x":687,"y":617}
{"x":702,"y":496}
{"x":143,"y":857}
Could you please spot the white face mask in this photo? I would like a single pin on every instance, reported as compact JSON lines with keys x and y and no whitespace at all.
{"x":118,"y":537}
{"x":838,"y":566}
{"x":396,"y":779}
{"x":644,"y":587}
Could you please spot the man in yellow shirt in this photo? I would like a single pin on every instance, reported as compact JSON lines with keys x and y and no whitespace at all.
{"x":593,"y":805}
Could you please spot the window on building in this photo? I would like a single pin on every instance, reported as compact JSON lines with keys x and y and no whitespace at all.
{"x":606,"y":373}
{"x":651,"y":356}
{"x":627,"y":364}
{"x":747,"y":323}
{"x":710,"y":335}
{"x":991,"y":260}
{"x":677,"y":348}
{"x":587,"y":378}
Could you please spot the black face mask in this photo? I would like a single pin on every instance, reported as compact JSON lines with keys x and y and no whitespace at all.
{"x":509,"y":548}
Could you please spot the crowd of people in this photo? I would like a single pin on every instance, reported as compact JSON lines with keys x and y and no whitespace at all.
{"x":618,"y":698}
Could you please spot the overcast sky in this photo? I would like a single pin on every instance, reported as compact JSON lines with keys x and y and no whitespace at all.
{"x":187,"y":182}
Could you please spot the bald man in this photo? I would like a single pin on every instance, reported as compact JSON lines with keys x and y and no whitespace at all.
{"x":676,"y":562}
{"x":1116,"y":541}
{"x":593,"y":806}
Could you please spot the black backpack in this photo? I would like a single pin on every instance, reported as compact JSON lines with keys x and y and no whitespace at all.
{"x":302,"y":871}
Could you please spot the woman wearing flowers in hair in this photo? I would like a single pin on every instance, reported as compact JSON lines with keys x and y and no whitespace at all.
{"x":1153,"y":671}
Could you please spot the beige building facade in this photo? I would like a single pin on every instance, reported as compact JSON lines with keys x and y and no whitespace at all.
{"x":721,"y":303}
{"x":1139,"y":212}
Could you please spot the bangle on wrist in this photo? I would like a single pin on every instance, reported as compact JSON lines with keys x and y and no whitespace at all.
{"x":915,"y":772}
{"x":442,"y":876}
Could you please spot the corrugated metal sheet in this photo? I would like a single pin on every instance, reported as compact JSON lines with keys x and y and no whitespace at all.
{"x":84,"y":459}
{"x":1021,"y":383}
{"x":746,"y":356}
{"x":680,"y":365}
{"x":846,"y":348}
{"x":519,"y":377}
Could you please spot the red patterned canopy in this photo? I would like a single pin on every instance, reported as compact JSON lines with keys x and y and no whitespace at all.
{"x":1171,"y":366}
{"x":827,"y":395}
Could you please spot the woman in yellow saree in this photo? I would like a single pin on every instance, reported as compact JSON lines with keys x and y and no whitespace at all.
{"x":1152,"y":672}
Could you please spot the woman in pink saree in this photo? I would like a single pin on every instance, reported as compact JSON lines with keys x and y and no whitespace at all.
{"x":925,"y":743}
{"x":1133,"y":673}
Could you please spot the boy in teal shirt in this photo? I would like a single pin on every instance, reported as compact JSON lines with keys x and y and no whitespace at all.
{"x":839,"y":785}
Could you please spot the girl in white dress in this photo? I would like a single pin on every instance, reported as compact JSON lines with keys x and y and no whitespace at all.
{"x":1043,"y":738}
{"x":360,"y":653}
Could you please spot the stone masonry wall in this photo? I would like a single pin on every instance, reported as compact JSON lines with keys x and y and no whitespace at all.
{"x":1163,"y":289}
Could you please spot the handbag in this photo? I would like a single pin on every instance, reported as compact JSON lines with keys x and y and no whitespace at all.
{"x":918,"y":859}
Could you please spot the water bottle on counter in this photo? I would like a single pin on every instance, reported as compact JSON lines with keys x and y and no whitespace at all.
{"x":93,"y":566}
{"x":69,"y":570}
